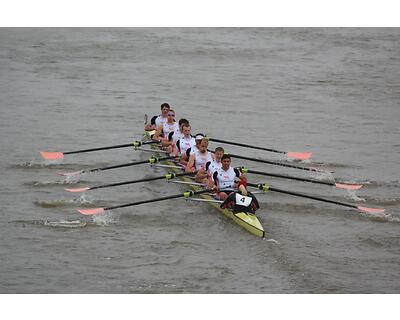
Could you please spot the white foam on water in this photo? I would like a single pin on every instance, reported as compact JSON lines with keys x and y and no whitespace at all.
{"x":105,"y":219}
{"x":352,"y":195}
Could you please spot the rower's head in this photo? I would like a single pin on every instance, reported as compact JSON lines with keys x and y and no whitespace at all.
{"x":182,"y":122}
{"x":198,"y":138}
{"x":203,"y":146}
{"x":165,"y":108}
{"x":226,"y":161}
{"x":171,"y":116}
{"x":186,"y":129}
{"x":218,"y":153}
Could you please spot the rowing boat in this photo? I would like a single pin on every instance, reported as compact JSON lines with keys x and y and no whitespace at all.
{"x":248,"y":221}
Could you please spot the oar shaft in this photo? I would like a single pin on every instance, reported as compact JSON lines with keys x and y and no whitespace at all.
{"x":288,"y":177}
{"x":167,"y":176}
{"x":302,"y":195}
{"x":133,"y":144}
{"x":151,"y":161}
{"x":180,"y":195}
{"x":274,"y":163}
{"x":244,"y":145}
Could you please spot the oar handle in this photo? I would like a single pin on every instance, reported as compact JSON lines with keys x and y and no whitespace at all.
{"x":245,"y":145}
{"x":132,"y":144}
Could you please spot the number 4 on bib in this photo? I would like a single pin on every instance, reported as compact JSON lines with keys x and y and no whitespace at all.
{"x":243,"y":200}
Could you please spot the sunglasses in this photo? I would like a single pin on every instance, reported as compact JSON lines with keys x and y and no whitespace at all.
{"x":170,"y":115}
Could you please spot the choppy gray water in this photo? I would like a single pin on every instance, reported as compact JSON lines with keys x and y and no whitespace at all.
{"x":334,"y":92}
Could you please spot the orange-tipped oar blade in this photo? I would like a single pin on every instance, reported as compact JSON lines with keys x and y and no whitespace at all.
{"x":348,"y":186}
{"x":78,"y":189}
{"x":91,"y":211}
{"x":52,"y":155}
{"x":299,"y":155}
{"x":371,"y":210}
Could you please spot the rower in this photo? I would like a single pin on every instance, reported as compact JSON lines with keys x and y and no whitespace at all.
{"x":213,"y":165}
{"x":174,"y":136}
{"x":185,"y":156}
{"x":198,"y":160}
{"x":241,"y":201}
{"x":165,"y":129}
{"x":186,"y":141}
{"x":225,"y":178}
{"x":157,"y":121}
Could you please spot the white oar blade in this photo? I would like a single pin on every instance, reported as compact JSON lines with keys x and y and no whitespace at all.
{"x":371,"y":210}
{"x":348,"y":186}
{"x":66,"y":174}
{"x":51,"y":155}
{"x":78,"y":189}
{"x":89,"y":212}
{"x":300,"y":155}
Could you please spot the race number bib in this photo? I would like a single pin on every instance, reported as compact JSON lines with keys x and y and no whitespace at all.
{"x":243,"y":200}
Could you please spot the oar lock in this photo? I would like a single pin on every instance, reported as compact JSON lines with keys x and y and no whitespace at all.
{"x":188,"y":194}
{"x":153,"y":160}
{"x":170,"y":176}
{"x":243,"y":169}
{"x":263,"y":187}
{"x":136,"y":144}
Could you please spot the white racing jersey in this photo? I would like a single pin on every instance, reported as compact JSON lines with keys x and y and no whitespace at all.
{"x":225,"y":180}
{"x":191,"y":150}
{"x":174,"y":136}
{"x":167,"y":128}
{"x":200,"y":159}
{"x":158,"y":121}
{"x":213,"y":166}
{"x":184,"y":144}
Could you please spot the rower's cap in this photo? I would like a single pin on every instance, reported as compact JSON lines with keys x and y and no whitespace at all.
{"x":199,"y":136}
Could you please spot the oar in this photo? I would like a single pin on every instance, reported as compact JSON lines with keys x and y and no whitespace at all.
{"x":276,"y":163}
{"x":294,"y":155}
{"x":151,"y":160}
{"x":59,"y":155}
{"x":168,"y":176}
{"x":186,"y":195}
{"x":265,"y":187}
{"x":346,"y":186}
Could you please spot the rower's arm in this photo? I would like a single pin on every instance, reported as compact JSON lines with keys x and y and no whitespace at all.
{"x":185,"y":157}
{"x":156,"y":136}
{"x":190,"y":164}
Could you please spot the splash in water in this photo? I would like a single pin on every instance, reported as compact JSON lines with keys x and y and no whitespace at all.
{"x":105,"y":219}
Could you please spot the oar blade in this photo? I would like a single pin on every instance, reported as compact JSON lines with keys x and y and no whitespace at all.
{"x":300,"y":155}
{"x":348,"y":186}
{"x":92,"y":211}
{"x":77,"y":189}
{"x":52,"y":155}
{"x":371,"y":210}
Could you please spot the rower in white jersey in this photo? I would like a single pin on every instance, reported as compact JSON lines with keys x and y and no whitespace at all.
{"x":174,"y":136}
{"x":185,"y":156}
{"x":225,"y":178}
{"x":213,"y":165}
{"x":157,"y":121}
{"x":185,"y":142}
{"x":198,"y":160}
{"x":163,"y":131}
